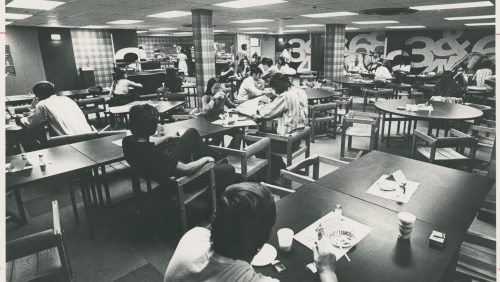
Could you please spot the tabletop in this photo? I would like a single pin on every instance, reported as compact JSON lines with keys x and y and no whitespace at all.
{"x":377,"y":257}
{"x":318,"y":94}
{"x":162,"y":106}
{"x":353,"y":81}
{"x":60,"y":160}
{"x":447,"y":198}
{"x":101,"y":150}
{"x":442,"y":110}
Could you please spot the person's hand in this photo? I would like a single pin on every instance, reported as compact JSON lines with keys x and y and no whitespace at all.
{"x":208,"y":159}
{"x":324,"y":256}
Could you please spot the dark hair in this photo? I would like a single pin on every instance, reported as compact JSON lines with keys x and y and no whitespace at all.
{"x":244,"y":217}
{"x":243,"y":46}
{"x":119,"y":74}
{"x":255,"y":70}
{"x":280,"y":83}
{"x":242,"y":63}
{"x":43,"y":90}
{"x":143,"y":120}
{"x":281,"y":61}
{"x":211,"y":82}
{"x":264,"y":60}
{"x":270,"y":62}
{"x":288,"y":45}
{"x":486,"y":64}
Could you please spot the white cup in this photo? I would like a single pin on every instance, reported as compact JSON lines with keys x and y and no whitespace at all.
{"x":285,"y":239}
{"x":408,"y":107}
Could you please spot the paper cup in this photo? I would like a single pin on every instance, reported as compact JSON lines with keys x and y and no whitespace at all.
{"x":406,"y":223}
{"x":408,"y":107}
{"x":285,"y":239}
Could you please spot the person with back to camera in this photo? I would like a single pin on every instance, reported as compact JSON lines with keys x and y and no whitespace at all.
{"x":120,"y":89}
{"x":243,"y":221}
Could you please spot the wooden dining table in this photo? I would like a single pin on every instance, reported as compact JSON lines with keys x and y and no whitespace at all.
{"x":318,"y":95}
{"x":446,"y":200}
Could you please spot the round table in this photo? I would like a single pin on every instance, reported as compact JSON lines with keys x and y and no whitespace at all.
{"x":317,"y":95}
{"x":354,"y":83}
{"x":442,"y":112}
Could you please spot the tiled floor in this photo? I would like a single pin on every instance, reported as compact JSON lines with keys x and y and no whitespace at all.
{"x":128,"y":247}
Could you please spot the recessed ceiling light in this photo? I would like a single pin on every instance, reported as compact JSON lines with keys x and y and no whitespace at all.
{"x":95,"y":26}
{"x":160,"y":34}
{"x":253,"y":28}
{"x":375,"y":22}
{"x":14,"y":16}
{"x":248,"y":3}
{"x":253,"y":21}
{"x":255,"y":32}
{"x":170,"y":14}
{"x":304,"y":25}
{"x":34,"y":4}
{"x":163,"y":28}
{"x":141,"y":31}
{"x":294,"y":30}
{"x":183,"y":33}
{"x":125,"y":22}
{"x":453,"y":6}
{"x":470,"y":18}
{"x":404,"y":26}
{"x":330,"y":14}
{"x":220,"y":30}
{"x":351,"y":28}
{"x":478,"y":24}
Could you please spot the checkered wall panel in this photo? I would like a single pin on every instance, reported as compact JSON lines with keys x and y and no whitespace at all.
{"x":203,"y":39}
{"x":334,"y":50}
{"x":94,"y":48}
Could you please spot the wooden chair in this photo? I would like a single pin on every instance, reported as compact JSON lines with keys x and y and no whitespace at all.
{"x":344,"y":105}
{"x":40,"y":256}
{"x":440,"y":150}
{"x":176,"y":185}
{"x":323,"y":115}
{"x":296,"y":172}
{"x":95,"y":106}
{"x":277,"y":191}
{"x":377,"y":92}
{"x":349,"y":130}
{"x":486,"y":139}
{"x":477,"y":257}
{"x":244,"y":161}
{"x":291,"y":141}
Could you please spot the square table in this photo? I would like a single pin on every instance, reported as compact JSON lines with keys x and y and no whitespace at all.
{"x":380,"y":256}
{"x":447,"y":198}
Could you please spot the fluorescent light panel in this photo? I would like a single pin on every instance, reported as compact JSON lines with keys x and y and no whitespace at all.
{"x":34,"y":4}
{"x":220,"y":30}
{"x":14,"y":16}
{"x":141,"y":31}
{"x":329,"y":15}
{"x":294,"y":30}
{"x":464,"y":5}
{"x":170,"y":14}
{"x":405,"y":26}
{"x":248,"y":3}
{"x":183,"y":33}
{"x":163,"y":28}
{"x":375,"y":22}
{"x":470,"y":18}
{"x":160,"y":34}
{"x":478,"y":24}
{"x":351,"y":28}
{"x":253,"y":21}
{"x":95,"y":26}
{"x":304,"y":25}
{"x":253,"y":28}
{"x":125,"y":22}
{"x":255,"y":32}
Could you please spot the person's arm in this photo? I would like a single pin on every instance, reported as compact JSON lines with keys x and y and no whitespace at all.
{"x":252,"y":89}
{"x":38,"y":116}
{"x":191,"y":167}
{"x":273,"y":109}
{"x":325,"y":260}
{"x":134,"y":84}
{"x":228,"y":102}
{"x":208,"y":103}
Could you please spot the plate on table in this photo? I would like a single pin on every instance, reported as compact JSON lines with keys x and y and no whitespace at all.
{"x":343,"y":239}
{"x":265,"y":256}
{"x":476,"y":88}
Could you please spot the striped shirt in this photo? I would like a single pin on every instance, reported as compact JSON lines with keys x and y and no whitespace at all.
{"x":481,"y":75}
{"x":290,"y":108}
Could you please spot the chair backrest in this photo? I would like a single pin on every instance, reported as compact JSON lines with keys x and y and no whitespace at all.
{"x":322,"y":107}
{"x":346,"y":102}
{"x":56,"y":219}
{"x":296,"y":172}
{"x":304,"y":134}
{"x":361,"y":117}
{"x":455,"y":139}
{"x":91,"y":101}
{"x":68,"y":139}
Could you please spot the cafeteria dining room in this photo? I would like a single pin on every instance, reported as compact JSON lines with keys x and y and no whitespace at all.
{"x":249,"y":140}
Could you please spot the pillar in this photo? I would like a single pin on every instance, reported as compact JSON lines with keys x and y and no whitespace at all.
{"x":334,"y":50}
{"x":204,"y":54}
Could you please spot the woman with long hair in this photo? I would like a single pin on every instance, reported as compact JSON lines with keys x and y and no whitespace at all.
{"x":120,"y":89}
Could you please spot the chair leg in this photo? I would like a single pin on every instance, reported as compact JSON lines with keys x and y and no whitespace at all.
{"x":73,"y":202}
{"x":20,"y":206}
{"x":106,"y":185}
{"x":389,"y":130}
{"x":383,"y":127}
{"x":349,"y":143}
{"x":182,"y":208}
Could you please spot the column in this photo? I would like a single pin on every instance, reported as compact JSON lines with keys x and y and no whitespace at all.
{"x":204,"y":55}
{"x":334,"y":50}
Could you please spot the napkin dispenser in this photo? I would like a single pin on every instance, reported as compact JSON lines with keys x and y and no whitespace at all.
{"x":437,"y":240}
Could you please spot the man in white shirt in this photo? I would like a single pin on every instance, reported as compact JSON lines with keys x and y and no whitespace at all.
{"x":61,"y":113}
{"x":243,"y":221}
{"x":248,"y":89}
{"x":242,"y":54}
{"x":383,"y":73}
{"x":287,"y":53}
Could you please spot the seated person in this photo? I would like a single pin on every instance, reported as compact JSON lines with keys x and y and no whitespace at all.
{"x":248,"y":89}
{"x":119,"y":90}
{"x":284,"y":68}
{"x":270,"y":70}
{"x":382,"y":72}
{"x":448,"y":87}
{"x":243,"y":222}
{"x":482,"y":73}
{"x":356,"y":67}
{"x":188,"y":155}
{"x":461,"y":79}
{"x":243,"y":68}
{"x":173,"y":82}
{"x":214,"y":100}
{"x":61,"y":113}
{"x":263,"y":65}
{"x":226,"y":72}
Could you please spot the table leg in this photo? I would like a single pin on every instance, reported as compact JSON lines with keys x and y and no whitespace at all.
{"x":383,"y":127}
{"x":20,"y":206}
{"x":97,"y":178}
{"x":389,"y":131}
{"x":84,"y":187}
{"x":106,"y":186}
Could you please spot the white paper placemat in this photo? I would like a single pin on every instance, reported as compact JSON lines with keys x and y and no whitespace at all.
{"x":390,"y":189}
{"x":18,"y":165}
{"x":309,"y":235}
